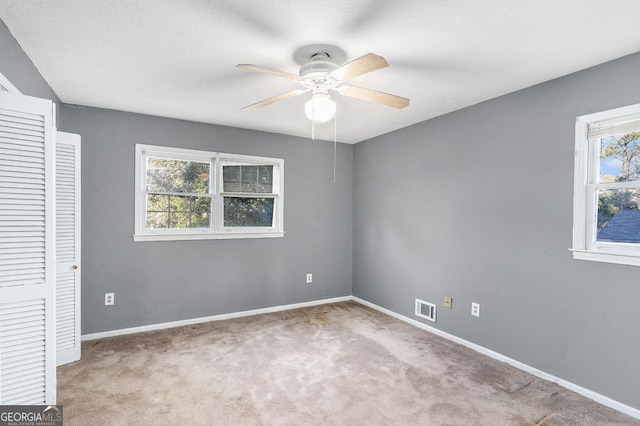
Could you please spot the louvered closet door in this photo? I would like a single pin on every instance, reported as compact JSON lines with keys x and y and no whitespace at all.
{"x":67,"y":247}
{"x":27,"y":322}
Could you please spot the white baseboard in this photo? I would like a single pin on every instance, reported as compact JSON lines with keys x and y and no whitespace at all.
{"x":630,"y":411}
{"x":164,"y":325}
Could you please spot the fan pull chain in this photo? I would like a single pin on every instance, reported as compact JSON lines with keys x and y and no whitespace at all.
{"x":335,"y":144}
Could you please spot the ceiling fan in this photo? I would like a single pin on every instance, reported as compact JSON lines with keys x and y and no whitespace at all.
{"x":320,"y":74}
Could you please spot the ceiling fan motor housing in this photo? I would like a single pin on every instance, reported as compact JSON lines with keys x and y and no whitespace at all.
{"x":318,"y":67}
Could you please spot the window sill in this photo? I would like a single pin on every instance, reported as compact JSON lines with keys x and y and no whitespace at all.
{"x":230,"y":236}
{"x":608,"y":257}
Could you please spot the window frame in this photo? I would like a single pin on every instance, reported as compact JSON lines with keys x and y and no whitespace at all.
{"x":244,"y":160}
{"x":216,"y":229}
{"x":586,"y":171}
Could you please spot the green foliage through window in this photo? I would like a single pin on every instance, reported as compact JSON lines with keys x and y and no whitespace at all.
{"x":166,"y":181}
{"x":611,"y":201}
{"x":248,"y":212}
{"x":177,"y":176}
{"x":176,"y":211}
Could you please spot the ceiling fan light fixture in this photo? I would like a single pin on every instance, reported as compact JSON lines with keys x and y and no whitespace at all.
{"x":319,"y":74}
{"x":320,"y":108}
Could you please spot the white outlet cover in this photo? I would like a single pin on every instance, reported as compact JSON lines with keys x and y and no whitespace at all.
{"x":309,"y":278}
{"x":475,"y":309}
{"x":109,"y":299}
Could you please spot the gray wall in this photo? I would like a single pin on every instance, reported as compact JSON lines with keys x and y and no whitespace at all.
{"x":16,"y":66}
{"x":477,"y":205}
{"x":164,"y":281}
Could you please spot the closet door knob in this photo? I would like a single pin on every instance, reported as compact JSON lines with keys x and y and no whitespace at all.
{"x":74,"y":267}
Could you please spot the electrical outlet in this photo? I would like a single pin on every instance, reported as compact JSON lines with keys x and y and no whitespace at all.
{"x":109,"y":299}
{"x":309,"y":278}
{"x":448,"y":301}
{"x":475,"y":309}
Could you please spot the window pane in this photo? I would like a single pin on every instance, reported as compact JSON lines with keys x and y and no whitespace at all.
{"x":157,"y":203}
{"x":157,"y":220}
{"x":248,"y":211}
{"x":619,"y":215}
{"x":620,"y":158}
{"x":177,"y":176}
{"x":200,"y":220}
{"x":177,"y":211}
{"x":188,"y":220}
{"x":258,"y":179}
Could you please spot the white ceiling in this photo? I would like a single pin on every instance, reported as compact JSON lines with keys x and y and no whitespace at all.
{"x":177,"y":58}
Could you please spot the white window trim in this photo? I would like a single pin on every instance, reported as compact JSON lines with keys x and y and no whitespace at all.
{"x":217,"y":230}
{"x":584,"y":245}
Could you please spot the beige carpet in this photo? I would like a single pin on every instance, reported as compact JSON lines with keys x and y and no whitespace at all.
{"x":340,"y":364}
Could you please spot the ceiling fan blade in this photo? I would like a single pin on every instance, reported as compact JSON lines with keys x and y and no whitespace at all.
{"x":274,"y":99}
{"x":362,"y":65}
{"x":393,"y":101}
{"x":264,"y":70}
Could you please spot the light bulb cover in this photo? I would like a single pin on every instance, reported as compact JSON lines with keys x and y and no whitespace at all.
{"x":320,"y":108}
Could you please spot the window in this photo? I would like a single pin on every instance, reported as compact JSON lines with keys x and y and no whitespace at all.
{"x":186,"y":194}
{"x":607,"y":187}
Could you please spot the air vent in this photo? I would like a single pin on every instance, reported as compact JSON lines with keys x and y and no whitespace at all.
{"x":426,"y":310}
